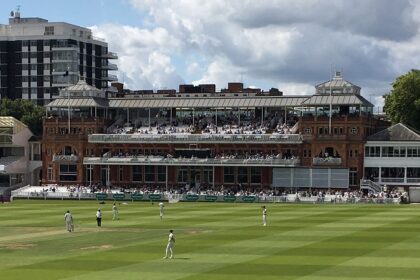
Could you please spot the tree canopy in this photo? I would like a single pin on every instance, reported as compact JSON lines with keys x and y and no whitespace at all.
{"x":402,"y":104}
{"x":25,"y":111}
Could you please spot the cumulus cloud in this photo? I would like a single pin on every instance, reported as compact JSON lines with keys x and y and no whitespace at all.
{"x":384,"y":19}
{"x":220,"y":72}
{"x":297,"y":88}
{"x":292,"y":44}
{"x":144,"y":55}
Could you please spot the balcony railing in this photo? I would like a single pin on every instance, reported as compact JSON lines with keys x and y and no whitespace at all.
{"x":110,"y":55}
{"x":196,"y":138}
{"x":143,"y":160}
{"x":65,"y":158}
{"x":110,"y":66}
{"x":65,"y":48}
{"x":110,"y":77}
{"x":399,"y":181}
{"x":76,"y":121}
{"x":392,"y":180}
{"x":413,"y":180}
{"x":326,"y":161}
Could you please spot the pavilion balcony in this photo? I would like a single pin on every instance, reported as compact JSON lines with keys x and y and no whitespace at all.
{"x":392,"y":180}
{"x":356,"y":117}
{"x":99,"y":121}
{"x":326,"y":161}
{"x":156,"y":160}
{"x":197,"y":138}
{"x":396,"y":181}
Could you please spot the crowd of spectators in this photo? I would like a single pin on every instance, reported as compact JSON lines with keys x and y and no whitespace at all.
{"x":316,"y":195}
{"x":205,"y":123}
{"x":256,"y":156}
{"x":221,"y":156}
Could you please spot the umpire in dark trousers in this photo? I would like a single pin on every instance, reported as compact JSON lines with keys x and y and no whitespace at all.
{"x":99,"y":217}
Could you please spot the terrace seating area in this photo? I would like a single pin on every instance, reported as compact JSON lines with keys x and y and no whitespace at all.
{"x":218,"y":157}
{"x":204,"y":124}
{"x":257,"y":156}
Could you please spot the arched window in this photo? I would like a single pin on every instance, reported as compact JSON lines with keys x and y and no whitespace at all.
{"x":67,"y":150}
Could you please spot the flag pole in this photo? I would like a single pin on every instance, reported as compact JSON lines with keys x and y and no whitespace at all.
{"x":66,"y":74}
{"x":329,"y":125}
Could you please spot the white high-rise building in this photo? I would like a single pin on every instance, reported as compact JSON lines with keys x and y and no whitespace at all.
{"x":38,"y":57}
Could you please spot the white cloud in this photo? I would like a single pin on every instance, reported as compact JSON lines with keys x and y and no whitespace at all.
{"x":193,"y":68}
{"x":220,"y":72}
{"x":296,"y":88}
{"x":144,"y":59}
{"x":287,"y":43}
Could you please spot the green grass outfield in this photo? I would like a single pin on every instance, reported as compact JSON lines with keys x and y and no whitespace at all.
{"x":213,"y":241}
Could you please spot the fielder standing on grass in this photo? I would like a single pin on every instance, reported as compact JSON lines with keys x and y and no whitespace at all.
{"x":115,"y":215}
{"x":170,"y":246}
{"x":161,"y":205}
{"x":264,"y":215}
{"x":68,"y":218}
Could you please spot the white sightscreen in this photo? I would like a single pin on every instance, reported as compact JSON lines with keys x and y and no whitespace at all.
{"x":311,"y":177}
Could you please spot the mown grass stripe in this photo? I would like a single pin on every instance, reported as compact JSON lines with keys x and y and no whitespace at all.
{"x":214,"y":241}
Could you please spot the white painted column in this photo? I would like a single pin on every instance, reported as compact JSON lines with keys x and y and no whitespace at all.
{"x":380,"y":174}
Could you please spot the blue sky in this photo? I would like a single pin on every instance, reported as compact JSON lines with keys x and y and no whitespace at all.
{"x":288,"y":44}
{"x":83,"y":13}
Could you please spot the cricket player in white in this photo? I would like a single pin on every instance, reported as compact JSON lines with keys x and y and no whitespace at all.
{"x":264,"y":216}
{"x":170,"y":246}
{"x":68,"y":218}
{"x":161,"y":205}
{"x":115,"y":215}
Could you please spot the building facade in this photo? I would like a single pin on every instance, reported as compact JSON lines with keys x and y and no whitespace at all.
{"x":208,"y":139}
{"x":392,"y":157}
{"x":20,"y":154}
{"x":38,"y":57}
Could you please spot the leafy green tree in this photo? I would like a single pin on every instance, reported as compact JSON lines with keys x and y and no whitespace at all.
{"x":402,"y":104}
{"x":25,"y":111}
